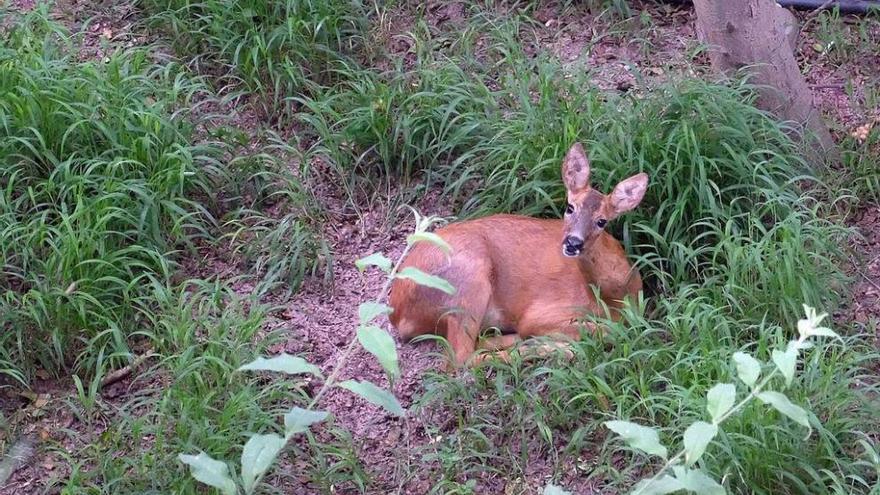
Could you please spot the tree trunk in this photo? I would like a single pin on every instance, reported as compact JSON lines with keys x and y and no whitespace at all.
{"x":759,"y":36}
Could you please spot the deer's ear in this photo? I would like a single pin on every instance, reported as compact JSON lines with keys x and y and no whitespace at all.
{"x":576,"y":169}
{"x":629,"y":193}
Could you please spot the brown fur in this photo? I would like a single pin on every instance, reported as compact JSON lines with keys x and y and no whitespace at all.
{"x":510,"y":274}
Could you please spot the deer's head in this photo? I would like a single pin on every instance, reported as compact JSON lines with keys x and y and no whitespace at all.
{"x":588,"y":211}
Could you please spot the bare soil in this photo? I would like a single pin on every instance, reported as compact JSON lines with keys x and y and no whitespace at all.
{"x":319,"y":321}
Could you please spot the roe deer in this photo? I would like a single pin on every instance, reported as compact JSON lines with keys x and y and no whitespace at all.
{"x":525,"y":276}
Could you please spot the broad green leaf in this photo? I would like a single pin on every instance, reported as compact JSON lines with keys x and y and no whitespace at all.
{"x":283,"y":363}
{"x":720,"y":399}
{"x":696,"y":439}
{"x":298,"y":420}
{"x":209,"y":471}
{"x":423,"y":278}
{"x":552,"y":489}
{"x":376,"y":259}
{"x":810,"y":326}
{"x":368,"y":311}
{"x":380,"y":344}
{"x":375,"y":395}
{"x":823,"y":332}
{"x":747,"y":368}
{"x":661,"y":486}
{"x":694,"y":480}
{"x":259,"y":453}
{"x":781,"y":403}
{"x":432,"y":238}
{"x":638,"y":437}
{"x":812,"y":316}
{"x":786,"y":361}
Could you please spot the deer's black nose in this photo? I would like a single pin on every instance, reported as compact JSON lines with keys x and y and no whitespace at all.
{"x":572,"y":246}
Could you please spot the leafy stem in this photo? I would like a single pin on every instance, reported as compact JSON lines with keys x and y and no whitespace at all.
{"x":352,"y":345}
{"x":722,"y":404}
{"x":681,"y":453}
{"x":261,"y":450}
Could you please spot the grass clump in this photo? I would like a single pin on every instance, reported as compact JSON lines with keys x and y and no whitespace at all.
{"x":396,"y":127}
{"x":203,"y":332}
{"x":730,"y":246}
{"x":98,"y":180}
{"x":277,"y":49}
{"x":270,"y":225}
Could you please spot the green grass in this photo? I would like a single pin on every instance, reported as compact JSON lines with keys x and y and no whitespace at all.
{"x":844,"y":39}
{"x":191,"y":398}
{"x":103,"y":192}
{"x":271,"y":222}
{"x":275,"y":49}
{"x":105,"y":189}
{"x":98,"y":187}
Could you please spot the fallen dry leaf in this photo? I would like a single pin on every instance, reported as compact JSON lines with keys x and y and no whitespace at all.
{"x":41,"y":401}
{"x":862,"y":131}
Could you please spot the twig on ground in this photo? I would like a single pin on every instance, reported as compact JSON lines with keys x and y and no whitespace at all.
{"x":125,"y":371}
{"x":812,"y":15}
{"x":863,"y":274}
{"x":18,"y":456}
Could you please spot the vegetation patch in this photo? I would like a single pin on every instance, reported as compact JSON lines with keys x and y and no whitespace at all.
{"x":272,"y":48}
{"x":109,"y":191}
{"x":98,"y":196}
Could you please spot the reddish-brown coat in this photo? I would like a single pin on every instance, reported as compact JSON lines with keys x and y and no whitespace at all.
{"x":519,"y":283}
{"x":510,"y":272}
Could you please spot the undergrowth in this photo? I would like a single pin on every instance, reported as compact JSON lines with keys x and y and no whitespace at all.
{"x":102,"y":190}
{"x":99,"y":186}
{"x":268,"y":48}
{"x":191,"y":397}
{"x":107,"y":187}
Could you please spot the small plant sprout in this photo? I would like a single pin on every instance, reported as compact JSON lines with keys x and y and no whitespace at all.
{"x":679,"y":472}
{"x":261,"y":450}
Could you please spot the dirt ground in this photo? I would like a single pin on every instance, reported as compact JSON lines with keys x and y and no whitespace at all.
{"x":319,"y":323}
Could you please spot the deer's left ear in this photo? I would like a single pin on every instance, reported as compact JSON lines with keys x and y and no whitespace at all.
{"x":629,"y":193}
{"x":576,"y":169}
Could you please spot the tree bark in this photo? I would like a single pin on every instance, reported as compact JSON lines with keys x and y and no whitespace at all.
{"x":759,"y":36}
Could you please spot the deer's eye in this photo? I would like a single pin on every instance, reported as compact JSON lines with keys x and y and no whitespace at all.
{"x":569,"y":209}
{"x":601,"y":223}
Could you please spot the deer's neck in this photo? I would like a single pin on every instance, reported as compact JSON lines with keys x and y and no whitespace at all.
{"x":606,"y":267}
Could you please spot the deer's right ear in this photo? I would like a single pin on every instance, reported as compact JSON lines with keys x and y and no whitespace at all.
{"x":576,"y":169}
{"x":629,"y":193}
